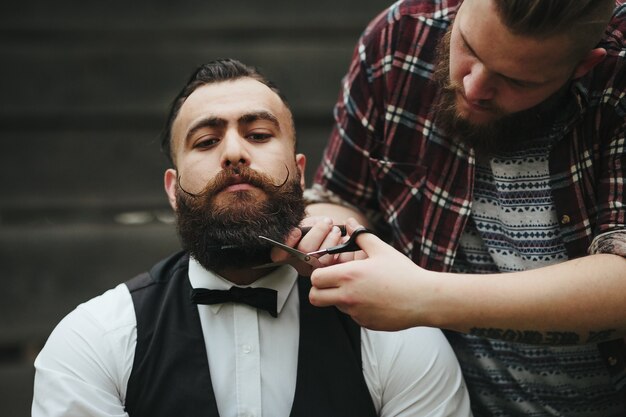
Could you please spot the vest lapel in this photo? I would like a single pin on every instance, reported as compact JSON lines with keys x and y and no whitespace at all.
{"x":170,"y":375}
{"x":330,"y":379}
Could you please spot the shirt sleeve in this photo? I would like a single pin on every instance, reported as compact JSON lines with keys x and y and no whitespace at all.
{"x":611,"y":230}
{"x":610,"y":234}
{"x":84,"y":367}
{"x":413,"y":372}
{"x":344,"y":171}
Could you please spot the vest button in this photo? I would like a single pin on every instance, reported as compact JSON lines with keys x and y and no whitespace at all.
{"x":612,"y":360}
{"x":565,"y":219}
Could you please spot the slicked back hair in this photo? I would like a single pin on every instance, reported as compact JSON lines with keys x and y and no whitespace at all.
{"x":582,"y":21}
{"x":220,"y":70}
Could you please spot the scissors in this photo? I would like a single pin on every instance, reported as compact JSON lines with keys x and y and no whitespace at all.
{"x":311,"y":258}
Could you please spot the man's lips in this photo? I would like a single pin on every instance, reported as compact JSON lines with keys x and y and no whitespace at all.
{"x":239,"y":187}
{"x":238,"y":183}
{"x":245,"y":181}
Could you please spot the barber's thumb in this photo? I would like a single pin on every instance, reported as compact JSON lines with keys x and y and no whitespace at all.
{"x":368,"y":242}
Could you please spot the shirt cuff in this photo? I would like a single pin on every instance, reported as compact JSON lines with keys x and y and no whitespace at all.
{"x":318,"y":194}
{"x":613,"y":242}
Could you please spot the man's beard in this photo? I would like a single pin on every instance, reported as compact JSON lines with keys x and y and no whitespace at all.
{"x":506,"y":132}
{"x":225,"y":235}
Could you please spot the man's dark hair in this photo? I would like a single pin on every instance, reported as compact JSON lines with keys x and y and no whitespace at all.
{"x":582,"y":21}
{"x":212,"y":72}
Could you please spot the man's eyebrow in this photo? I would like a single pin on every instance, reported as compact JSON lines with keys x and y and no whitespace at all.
{"x":214,"y":122}
{"x":259,"y":115}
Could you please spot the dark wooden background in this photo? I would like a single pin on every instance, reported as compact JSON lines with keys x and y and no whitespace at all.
{"x":84,"y":87}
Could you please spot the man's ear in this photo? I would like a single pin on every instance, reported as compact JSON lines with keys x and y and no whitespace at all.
{"x":301,"y":164}
{"x":170,"y":181}
{"x":593,"y":58}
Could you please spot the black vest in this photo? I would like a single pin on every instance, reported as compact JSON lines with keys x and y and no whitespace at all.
{"x":170,"y":375}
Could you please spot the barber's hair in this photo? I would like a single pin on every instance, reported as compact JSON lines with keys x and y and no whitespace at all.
{"x":582,"y":21}
{"x":212,"y":72}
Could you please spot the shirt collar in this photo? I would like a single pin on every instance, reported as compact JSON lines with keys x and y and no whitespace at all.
{"x":282,"y":279}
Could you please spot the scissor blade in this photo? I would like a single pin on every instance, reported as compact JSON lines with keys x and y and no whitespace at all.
{"x":295,"y":252}
{"x":301,"y":256}
{"x":270,"y":265}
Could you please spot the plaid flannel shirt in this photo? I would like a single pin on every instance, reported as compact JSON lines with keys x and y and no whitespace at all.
{"x":387,"y":157}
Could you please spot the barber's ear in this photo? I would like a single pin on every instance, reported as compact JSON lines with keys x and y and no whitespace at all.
{"x":593,"y":58}
{"x":170,"y":181}
{"x":301,"y":164}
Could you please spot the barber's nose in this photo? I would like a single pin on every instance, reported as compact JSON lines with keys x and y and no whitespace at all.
{"x":478,"y":84}
{"x":235,"y":151}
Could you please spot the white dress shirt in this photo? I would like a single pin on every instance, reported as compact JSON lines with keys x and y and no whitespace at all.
{"x":84,"y":368}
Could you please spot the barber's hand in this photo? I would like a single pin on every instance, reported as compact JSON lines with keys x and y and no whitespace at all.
{"x":323,"y":234}
{"x":381,"y":292}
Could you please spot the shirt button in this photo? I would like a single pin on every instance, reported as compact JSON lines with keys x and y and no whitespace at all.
{"x":612,"y":360}
{"x":247,"y":348}
{"x":565,"y":219}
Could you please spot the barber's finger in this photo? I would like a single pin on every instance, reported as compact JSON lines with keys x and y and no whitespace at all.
{"x":352,"y":225}
{"x":310,"y":221}
{"x":324,"y":297}
{"x":315,"y":237}
{"x":350,"y":256}
{"x":318,"y":230}
{"x":277,"y":254}
{"x":333,"y":238}
{"x":329,"y":277}
{"x":368,"y":242}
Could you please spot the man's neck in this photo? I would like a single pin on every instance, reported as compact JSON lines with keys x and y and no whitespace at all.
{"x":242,"y":276}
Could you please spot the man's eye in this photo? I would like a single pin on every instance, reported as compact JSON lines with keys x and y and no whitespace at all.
{"x":259,"y":137}
{"x":206,"y":143}
{"x":520,"y":84}
{"x":466,"y":48}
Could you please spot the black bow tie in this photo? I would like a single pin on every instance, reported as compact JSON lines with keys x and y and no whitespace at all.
{"x":263,"y":298}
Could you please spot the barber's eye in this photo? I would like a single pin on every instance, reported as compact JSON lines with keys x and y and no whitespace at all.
{"x":520,"y":84}
{"x":466,"y":47}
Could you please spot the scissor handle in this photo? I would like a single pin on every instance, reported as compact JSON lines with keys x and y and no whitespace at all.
{"x":350,"y":245}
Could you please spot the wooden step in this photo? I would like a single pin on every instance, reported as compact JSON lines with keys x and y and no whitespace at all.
{"x":49,"y":270}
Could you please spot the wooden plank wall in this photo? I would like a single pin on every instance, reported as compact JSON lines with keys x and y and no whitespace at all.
{"x":84,"y":87}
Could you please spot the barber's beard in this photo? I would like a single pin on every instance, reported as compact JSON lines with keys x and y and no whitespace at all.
{"x":225,"y":234}
{"x":506,"y":131}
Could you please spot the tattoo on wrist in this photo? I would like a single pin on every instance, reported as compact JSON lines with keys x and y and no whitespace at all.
{"x":534,"y":337}
{"x":612,"y":242}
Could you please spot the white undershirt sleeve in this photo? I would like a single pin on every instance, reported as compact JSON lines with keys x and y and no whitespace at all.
{"x":413,"y":372}
{"x":84,"y":367}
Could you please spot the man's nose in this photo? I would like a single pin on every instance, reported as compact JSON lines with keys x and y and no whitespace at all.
{"x":479,"y":84}
{"x":235,"y":151}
